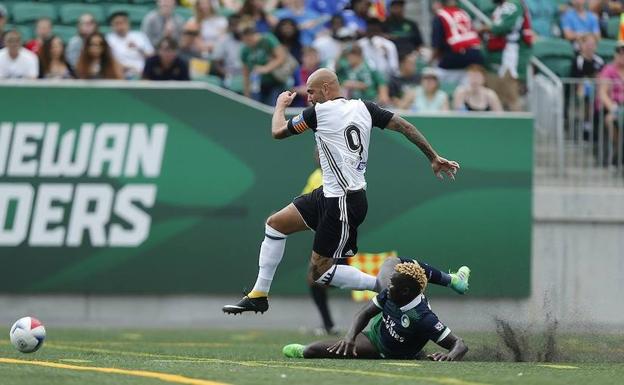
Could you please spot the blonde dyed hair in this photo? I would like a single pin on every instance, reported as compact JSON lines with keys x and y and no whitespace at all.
{"x":414,"y":271}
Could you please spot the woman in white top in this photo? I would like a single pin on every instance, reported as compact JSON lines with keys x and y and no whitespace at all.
{"x":428,"y":97}
{"x":212,"y":26}
{"x":474,"y":96}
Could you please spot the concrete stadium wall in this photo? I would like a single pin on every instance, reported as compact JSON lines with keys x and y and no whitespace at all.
{"x":577,"y":270}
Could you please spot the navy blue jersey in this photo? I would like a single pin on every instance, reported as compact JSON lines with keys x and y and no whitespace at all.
{"x":402,"y":332}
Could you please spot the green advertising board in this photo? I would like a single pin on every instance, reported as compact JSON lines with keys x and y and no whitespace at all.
{"x":148,"y":190}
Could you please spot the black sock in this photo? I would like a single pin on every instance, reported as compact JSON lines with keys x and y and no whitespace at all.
{"x":319,"y":295}
{"x":434,"y":275}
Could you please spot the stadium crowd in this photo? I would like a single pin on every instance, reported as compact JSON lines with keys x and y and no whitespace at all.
{"x":260,"y":48}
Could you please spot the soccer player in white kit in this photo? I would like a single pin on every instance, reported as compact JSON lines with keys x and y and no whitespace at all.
{"x":334,"y":211}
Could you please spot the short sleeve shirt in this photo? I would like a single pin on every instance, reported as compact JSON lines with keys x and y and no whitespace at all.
{"x":404,"y":331}
{"x":362,"y":73}
{"x":572,"y":21}
{"x":260,"y":55}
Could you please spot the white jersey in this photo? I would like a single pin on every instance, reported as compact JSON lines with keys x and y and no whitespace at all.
{"x":342,"y":129}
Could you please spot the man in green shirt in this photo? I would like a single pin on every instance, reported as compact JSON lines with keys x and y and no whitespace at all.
{"x":359,"y":80}
{"x":261,"y":55}
{"x":509,"y":49}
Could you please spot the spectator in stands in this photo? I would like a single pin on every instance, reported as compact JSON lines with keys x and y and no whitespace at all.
{"x":380,"y":53}
{"x":17,"y":62}
{"x":577,"y":21}
{"x":86,"y":27}
{"x":162,"y":22}
{"x":327,"y":7}
{"x":330,"y":43}
{"x":4,"y":15}
{"x":166,"y":65}
{"x":474,"y":96}
{"x":226,"y":58}
{"x":256,"y":11}
{"x":190,"y":45}
{"x":43,"y":31}
{"x":586,"y":64}
{"x":261,"y":55}
{"x":359,"y":80}
{"x":355,"y":18}
{"x":52,"y":62}
{"x":311,"y":62}
{"x":308,"y":21}
{"x":611,"y":98}
{"x":212,"y":26}
{"x":508,"y":50}
{"x":543,"y":15}
{"x":288,"y":34}
{"x":96,"y":60}
{"x":401,"y":30}
{"x":401,"y":87}
{"x":606,"y":9}
{"x":130,"y":48}
{"x":456,"y":45}
{"x":428,"y":97}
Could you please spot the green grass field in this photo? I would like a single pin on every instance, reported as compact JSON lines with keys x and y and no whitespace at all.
{"x":210,"y":357}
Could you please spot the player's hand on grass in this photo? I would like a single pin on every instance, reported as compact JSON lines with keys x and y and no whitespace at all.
{"x":438,"y":356}
{"x":285,"y":98}
{"x":343,"y":347}
{"x":440,"y":165}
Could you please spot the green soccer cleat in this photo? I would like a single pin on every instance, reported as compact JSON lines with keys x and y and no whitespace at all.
{"x":293,"y":350}
{"x":459,"y":280}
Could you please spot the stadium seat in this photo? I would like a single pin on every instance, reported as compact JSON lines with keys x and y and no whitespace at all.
{"x":25,"y":12}
{"x":65,"y":32}
{"x":27,"y":32}
{"x":147,"y":2}
{"x":135,"y":12}
{"x":556,"y":54}
{"x":70,"y":13}
{"x":606,"y":49}
{"x":613,"y":28}
{"x":186,"y":13}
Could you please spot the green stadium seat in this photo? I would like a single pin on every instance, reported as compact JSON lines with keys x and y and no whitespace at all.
{"x":70,"y":13}
{"x":135,"y":12}
{"x":146,"y":2}
{"x":25,"y":12}
{"x":65,"y":32}
{"x":606,"y":49}
{"x":556,"y":54}
{"x":613,"y":28}
{"x":24,"y":30}
{"x":186,"y":13}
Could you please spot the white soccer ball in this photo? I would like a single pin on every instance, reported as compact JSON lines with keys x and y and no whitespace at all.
{"x":27,"y":334}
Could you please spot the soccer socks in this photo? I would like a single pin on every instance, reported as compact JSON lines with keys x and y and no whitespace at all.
{"x":319,"y":295}
{"x":347,"y":277}
{"x":271,"y":253}
{"x":434,"y":275}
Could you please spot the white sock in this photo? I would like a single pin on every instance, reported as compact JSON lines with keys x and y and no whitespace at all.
{"x":348,"y":277}
{"x":271,"y":252}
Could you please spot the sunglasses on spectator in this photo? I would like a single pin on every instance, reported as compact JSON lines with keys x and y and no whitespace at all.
{"x":619,"y":50}
{"x":96,"y":44}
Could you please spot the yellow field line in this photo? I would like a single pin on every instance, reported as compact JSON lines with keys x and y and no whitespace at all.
{"x":439,"y":380}
{"x":175,"y":378}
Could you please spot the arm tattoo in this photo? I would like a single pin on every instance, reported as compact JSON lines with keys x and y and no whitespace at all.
{"x":401,"y":125}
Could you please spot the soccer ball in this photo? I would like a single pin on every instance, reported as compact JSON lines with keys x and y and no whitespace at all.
{"x":27,"y":334}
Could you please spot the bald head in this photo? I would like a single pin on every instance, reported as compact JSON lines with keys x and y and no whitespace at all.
{"x":323,"y":85}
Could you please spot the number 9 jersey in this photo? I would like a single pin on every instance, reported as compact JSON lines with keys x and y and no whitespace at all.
{"x":342,"y":129}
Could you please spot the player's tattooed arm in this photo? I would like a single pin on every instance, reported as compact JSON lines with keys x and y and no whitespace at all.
{"x":439,"y":165}
{"x":412,"y":134}
{"x":455,"y":346}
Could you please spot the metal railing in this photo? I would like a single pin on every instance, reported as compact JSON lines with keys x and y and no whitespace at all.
{"x":578,"y":141}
